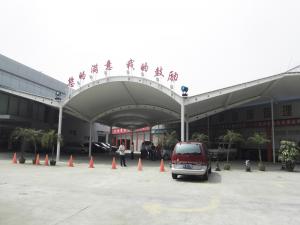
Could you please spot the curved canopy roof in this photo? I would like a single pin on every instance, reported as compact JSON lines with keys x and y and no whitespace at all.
{"x":134,"y":102}
{"x":279,"y":87}
{"x":124,"y":101}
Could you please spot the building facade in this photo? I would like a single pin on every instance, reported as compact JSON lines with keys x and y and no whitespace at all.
{"x":20,"y":111}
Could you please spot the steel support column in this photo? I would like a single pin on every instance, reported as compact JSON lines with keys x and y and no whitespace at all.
{"x":182,"y":122}
{"x":187,"y":130}
{"x":208,"y":130}
{"x":59,"y":133}
{"x":273,"y":135}
{"x":90,"y":140}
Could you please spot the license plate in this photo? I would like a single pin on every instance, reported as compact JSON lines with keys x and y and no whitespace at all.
{"x":187,"y":166}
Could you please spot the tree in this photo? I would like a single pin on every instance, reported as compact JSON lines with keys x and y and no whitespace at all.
{"x":23,"y":135}
{"x":170,"y":140}
{"x":200,"y":137}
{"x":49,"y":140}
{"x":35,"y":138}
{"x":231,"y":137}
{"x":258,"y":139}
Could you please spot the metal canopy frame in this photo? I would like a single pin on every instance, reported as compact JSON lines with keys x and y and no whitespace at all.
{"x":167,"y":102}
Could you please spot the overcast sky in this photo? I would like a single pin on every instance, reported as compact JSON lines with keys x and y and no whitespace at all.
{"x":210,"y":44}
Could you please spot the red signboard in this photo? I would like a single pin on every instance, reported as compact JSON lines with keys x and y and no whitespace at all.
{"x":125,"y":131}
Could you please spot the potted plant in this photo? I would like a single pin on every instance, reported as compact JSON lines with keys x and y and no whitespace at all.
{"x":200,"y":137}
{"x":230,"y":137}
{"x":259,"y":140}
{"x":35,"y":138}
{"x":168,"y":143}
{"x":287,"y":154}
{"x":23,"y":135}
{"x":49,"y":140}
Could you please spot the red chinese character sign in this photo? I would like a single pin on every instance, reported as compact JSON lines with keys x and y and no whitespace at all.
{"x":173,"y":77}
{"x":144,"y":68}
{"x":94,"y":71}
{"x":71,"y":82}
{"x":108,"y":67}
{"x":81,"y":77}
{"x":129,"y":66}
{"x":158,"y":73}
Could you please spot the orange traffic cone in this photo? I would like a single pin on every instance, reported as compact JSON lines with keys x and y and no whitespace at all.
{"x":140,"y":167}
{"x":91,"y":163}
{"x":14,"y":158}
{"x":70,"y":162}
{"x":37,"y":160}
{"x":162,"y":166}
{"x":46,"y":160}
{"x":113,"y":164}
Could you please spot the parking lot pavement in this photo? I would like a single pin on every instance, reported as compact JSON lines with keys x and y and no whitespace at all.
{"x":79,"y":195}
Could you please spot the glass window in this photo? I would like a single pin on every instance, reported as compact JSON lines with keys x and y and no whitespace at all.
{"x":41,"y":112}
{"x":250,"y":114}
{"x":35,"y":108}
{"x":221,"y":117}
{"x":3,"y":103}
{"x":235,"y":116}
{"x":13,"y":106}
{"x":188,"y":149}
{"x":23,"y":108}
{"x":287,"y":110}
{"x":267,"y":113}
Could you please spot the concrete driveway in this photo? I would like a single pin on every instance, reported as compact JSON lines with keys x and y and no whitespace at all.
{"x":62,"y":195}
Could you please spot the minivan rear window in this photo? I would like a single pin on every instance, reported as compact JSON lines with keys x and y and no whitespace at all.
{"x":188,"y":149}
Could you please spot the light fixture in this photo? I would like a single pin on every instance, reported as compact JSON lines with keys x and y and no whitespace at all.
{"x":58,"y":96}
{"x":184,"y":90}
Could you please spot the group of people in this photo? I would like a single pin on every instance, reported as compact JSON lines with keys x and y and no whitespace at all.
{"x":150,"y":152}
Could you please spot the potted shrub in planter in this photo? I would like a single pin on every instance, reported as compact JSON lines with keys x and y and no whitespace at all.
{"x":259,"y":140}
{"x":49,"y":140}
{"x":23,"y":135}
{"x":200,"y":137}
{"x":35,"y":138}
{"x":287,"y":154}
{"x":230,"y":137}
{"x":168,"y":143}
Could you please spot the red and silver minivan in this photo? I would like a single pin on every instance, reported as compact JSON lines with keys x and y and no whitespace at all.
{"x":190,"y":158}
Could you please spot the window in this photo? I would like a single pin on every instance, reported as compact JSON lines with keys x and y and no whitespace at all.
{"x":41,"y":112}
{"x":221,"y":117}
{"x":250,"y":114}
{"x":72,"y":132}
{"x":287,"y":110}
{"x":235,"y":116}
{"x":3,"y":103}
{"x":267,"y":113}
{"x":188,"y":149}
{"x":13,"y":106}
{"x":23,"y":107}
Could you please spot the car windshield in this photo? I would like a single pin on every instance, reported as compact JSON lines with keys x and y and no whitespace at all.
{"x":188,"y":149}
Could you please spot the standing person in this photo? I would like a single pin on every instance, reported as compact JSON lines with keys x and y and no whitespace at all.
{"x":122,"y":154}
{"x":132,"y":150}
{"x":153,"y":157}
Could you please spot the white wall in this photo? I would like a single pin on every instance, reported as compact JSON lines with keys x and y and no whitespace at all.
{"x":78,"y":131}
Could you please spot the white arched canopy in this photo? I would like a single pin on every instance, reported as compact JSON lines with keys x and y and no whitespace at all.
{"x":128,"y":102}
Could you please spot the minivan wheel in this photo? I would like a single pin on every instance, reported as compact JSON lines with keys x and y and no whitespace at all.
{"x":174,"y":176}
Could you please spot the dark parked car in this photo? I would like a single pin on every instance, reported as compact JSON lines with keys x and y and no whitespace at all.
{"x":190,"y":158}
{"x":96,"y":148}
{"x":71,"y":148}
{"x":112,"y":147}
